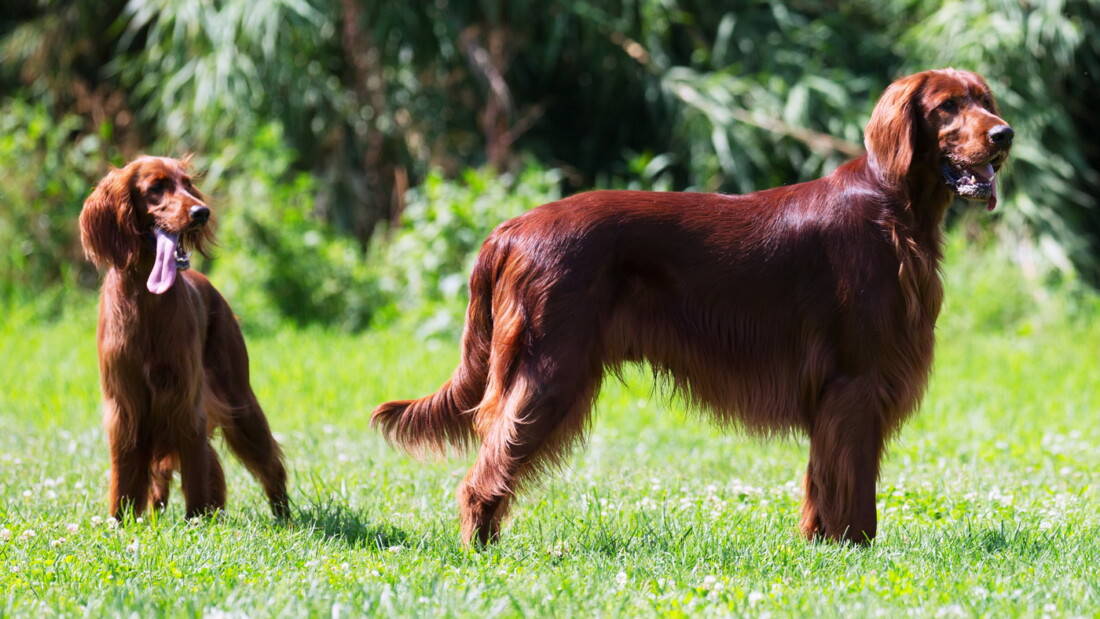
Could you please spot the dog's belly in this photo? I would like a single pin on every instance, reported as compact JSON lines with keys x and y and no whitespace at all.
{"x":758,"y":371}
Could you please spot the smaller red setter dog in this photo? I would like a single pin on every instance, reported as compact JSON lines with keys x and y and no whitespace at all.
{"x":172,"y":360}
{"x":809,"y":308}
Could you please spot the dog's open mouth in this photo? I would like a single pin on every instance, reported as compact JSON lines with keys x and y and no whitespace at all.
{"x":183,"y":257}
{"x":171,"y":257}
{"x":973,"y":182}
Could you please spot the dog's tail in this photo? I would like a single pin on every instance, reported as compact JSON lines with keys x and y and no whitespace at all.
{"x":447,"y":416}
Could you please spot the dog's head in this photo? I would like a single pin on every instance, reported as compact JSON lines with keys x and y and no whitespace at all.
{"x":147,"y":209}
{"x":946,"y":122}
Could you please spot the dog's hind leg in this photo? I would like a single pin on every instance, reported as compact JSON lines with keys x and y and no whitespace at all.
{"x":542,"y":411}
{"x":247,"y":433}
{"x":231,"y":405}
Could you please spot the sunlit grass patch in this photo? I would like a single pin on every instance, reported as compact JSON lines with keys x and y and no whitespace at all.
{"x":988,"y":499}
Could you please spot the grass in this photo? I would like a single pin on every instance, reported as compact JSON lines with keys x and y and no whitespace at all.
{"x":988,"y":502}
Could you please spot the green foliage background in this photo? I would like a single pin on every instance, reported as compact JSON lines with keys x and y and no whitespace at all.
{"x":333,"y":130}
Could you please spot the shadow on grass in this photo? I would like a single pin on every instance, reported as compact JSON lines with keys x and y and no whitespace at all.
{"x":337,"y":521}
{"x":1017,"y":539}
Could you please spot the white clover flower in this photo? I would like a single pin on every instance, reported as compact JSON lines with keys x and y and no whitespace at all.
{"x":72,"y":527}
{"x":29,"y":533}
{"x":5,"y":534}
{"x":755,"y":597}
{"x":397,"y":548}
{"x":96,"y":521}
{"x":558,"y":550}
{"x":26,"y":494}
{"x":134,"y":546}
{"x":952,"y":610}
{"x":57,"y":542}
{"x":621,"y":579}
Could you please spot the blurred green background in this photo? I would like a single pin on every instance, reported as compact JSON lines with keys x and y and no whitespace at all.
{"x":357,"y":153}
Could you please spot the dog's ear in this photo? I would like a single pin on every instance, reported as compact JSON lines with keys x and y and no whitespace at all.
{"x":108,"y":230}
{"x":891,"y":134}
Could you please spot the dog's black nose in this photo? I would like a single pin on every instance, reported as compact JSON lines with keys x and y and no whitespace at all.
{"x":1001,"y":135}
{"x":200,"y":214}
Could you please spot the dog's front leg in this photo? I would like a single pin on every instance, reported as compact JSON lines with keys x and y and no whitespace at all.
{"x":845,"y":447}
{"x":130,"y":458}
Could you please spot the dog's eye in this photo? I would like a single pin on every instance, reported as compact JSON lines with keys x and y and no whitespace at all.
{"x":950,"y":106}
{"x":158,"y":187}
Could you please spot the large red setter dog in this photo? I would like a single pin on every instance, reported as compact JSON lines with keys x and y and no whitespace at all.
{"x":806,"y":308}
{"x":173,"y":365}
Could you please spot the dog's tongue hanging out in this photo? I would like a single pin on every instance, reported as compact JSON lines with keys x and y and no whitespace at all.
{"x":164,"y":269}
{"x":987,"y":173}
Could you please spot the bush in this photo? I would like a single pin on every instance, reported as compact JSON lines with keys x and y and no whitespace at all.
{"x":425,"y":262}
{"x":276,"y":261}
{"x":46,"y":175}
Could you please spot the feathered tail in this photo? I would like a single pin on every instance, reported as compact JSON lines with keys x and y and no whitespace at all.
{"x":447,"y":416}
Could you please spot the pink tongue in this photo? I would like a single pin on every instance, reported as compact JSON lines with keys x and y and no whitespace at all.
{"x":984,"y":171}
{"x":164,"y":269}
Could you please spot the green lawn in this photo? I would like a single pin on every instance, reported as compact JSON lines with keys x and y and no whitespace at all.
{"x":988,"y":501}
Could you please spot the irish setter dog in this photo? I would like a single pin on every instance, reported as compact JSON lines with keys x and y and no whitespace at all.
{"x":809,"y":308}
{"x":173,"y":364}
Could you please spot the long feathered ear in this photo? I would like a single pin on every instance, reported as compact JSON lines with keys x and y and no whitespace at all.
{"x":891,"y":136}
{"x":107,"y":228}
